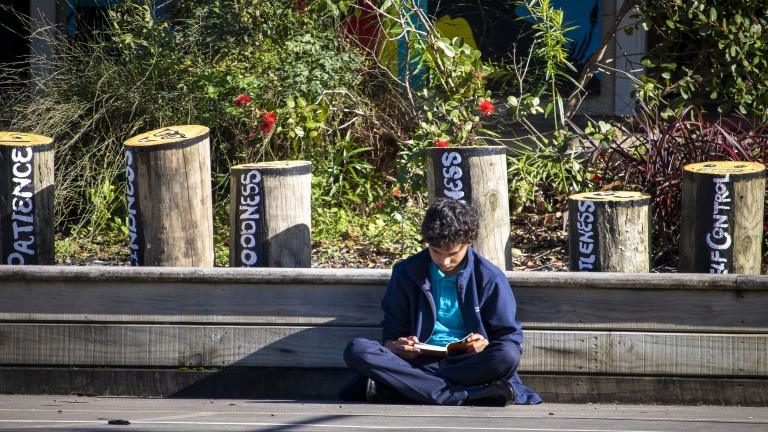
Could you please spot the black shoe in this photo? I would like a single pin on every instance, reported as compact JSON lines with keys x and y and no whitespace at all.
{"x":376,"y":392}
{"x":498,"y":393}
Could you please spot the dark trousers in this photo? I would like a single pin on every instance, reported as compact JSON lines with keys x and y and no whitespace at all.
{"x":432,"y":380}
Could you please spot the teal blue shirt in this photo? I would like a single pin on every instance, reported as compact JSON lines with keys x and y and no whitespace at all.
{"x":449,"y":325}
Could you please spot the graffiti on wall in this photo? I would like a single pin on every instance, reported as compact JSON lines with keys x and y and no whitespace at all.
{"x":497,"y":28}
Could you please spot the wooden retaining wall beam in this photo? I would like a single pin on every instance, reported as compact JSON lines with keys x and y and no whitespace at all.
{"x":291,"y":383}
{"x":318,"y":276}
{"x":625,"y":338}
{"x":594,"y":352}
{"x":609,"y":302}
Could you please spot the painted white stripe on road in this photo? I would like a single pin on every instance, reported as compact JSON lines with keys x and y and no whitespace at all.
{"x":335,"y":426}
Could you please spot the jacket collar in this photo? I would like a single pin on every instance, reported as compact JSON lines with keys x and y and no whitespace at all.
{"x":418,"y":270}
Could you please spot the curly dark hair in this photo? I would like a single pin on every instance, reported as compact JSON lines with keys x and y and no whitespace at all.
{"x":449,"y":222}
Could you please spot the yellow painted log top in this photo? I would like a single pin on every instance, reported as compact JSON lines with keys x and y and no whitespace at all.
{"x":725,"y":167}
{"x":167,"y":135}
{"x":23,"y":139}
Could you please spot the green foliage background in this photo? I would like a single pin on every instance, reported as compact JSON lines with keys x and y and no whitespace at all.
{"x":140,"y":73}
{"x":709,"y":54}
{"x":363,"y":130}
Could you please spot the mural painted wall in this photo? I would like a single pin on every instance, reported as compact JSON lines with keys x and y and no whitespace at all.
{"x":492,"y":26}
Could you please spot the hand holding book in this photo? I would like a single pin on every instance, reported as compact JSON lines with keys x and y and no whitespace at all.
{"x":470,"y":343}
{"x":403,"y":347}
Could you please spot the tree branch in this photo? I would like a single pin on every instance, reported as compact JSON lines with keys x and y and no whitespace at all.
{"x":589,"y":71}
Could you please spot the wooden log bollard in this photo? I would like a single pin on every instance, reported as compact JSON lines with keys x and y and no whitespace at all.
{"x":477,"y":176}
{"x":609,"y":232}
{"x":26,"y":198}
{"x":721,"y":226}
{"x":270,"y":214}
{"x":170,"y":210}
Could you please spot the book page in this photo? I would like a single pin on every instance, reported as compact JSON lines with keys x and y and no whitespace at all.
{"x":428,"y":347}
{"x":458,"y":347}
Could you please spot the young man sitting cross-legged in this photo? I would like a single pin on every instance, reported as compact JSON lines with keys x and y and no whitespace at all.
{"x":439,"y":296}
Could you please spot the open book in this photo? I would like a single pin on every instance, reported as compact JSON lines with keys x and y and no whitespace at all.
{"x":454,"y":348}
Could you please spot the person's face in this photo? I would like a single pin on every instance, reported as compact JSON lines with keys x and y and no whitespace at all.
{"x":449,"y":258}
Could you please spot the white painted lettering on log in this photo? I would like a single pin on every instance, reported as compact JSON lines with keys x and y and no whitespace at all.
{"x":22,"y":206}
{"x":719,"y":239}
{"x":130,"y":189}
{"x":249,"y":213}
{"x":452,"y":174}
{"x":586,"y":227}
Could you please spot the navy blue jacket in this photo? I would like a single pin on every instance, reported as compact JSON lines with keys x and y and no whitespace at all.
{"x":485,"y":299}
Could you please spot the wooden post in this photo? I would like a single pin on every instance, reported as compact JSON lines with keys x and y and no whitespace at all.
{"x":26,"y":198}
{"x":721,"y":226}
{"x":170,"y":210}
{"x":477,"y":176}
{"x":270,"y":214}
{"x":610,"y":232}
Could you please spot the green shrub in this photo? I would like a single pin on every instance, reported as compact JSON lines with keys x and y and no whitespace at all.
{"x":275,"y":80}
{"x":650,"y":154}
{"x":90,"y":104}
{"x":140,"y":72}
{"x":450,"y":104}
{"x":708,"y":54}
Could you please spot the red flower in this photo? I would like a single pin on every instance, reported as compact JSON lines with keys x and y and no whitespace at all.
{"x":396,"y":193}
{"x":379,"y":204}
{"x":441,"y":143}
{"x":486,"y":108}
{"x":301,"y":5}
{"x":596,"y":178}
{"x":267,"y":123}
{"x":242,"y":100}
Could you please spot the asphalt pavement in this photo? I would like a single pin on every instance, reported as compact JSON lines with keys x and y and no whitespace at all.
{"x":82,"y":413}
